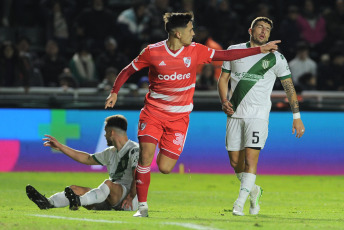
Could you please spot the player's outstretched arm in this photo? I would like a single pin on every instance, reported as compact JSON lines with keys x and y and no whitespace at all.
{"x":234,"y":54}
{"x":270,"y":46}
{"x":294,"y":105}
{"x":76,"y":155}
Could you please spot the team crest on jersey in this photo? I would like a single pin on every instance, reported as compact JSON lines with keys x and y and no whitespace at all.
{"x":187,"y":61}
{"x":265,"y":63}
{"x":179,"y":139}
{"x":142,"y":126}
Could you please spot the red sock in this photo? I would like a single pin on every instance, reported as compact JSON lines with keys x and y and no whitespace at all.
{"x":142,"y":177}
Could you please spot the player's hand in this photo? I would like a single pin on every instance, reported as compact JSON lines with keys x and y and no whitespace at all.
{"x":111,"y":100}
{"x":270,"y":47}
{"x":128,"y":202}
{"x":298,"y":127}
{"x":51,"y":141}
{"x":227,"y":108}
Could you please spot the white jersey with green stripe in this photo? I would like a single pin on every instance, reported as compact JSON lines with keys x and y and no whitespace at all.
{"x":120,"y":164}
{"x":252,"y":80}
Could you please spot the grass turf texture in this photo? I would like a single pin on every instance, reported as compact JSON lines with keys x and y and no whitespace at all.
{"x":181,"y":201}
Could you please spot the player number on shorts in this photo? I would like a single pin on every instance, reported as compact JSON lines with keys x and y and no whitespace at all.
{"x":255,"y":139}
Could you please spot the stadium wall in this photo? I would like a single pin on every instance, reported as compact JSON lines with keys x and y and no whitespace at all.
{"x":319,"y":152}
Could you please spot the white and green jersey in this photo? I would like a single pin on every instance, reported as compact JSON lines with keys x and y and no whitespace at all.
{"x":120,"y":164}
{"x":252,"y":80}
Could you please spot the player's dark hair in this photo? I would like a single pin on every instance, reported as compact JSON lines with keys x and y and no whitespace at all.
{"x":116,"y":121}
{"x":264,"y":19}
{"x":175,"y":20}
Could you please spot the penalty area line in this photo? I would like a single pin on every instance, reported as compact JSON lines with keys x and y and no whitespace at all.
{"x":185,"y":225}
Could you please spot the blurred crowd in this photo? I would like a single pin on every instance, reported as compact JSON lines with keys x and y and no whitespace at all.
{"x":85,"y":43}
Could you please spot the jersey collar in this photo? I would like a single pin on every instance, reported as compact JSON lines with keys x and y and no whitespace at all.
{"x":248,"y":44}
{"x":171,"y":53}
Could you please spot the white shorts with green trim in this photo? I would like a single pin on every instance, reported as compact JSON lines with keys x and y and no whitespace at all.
{"x":135,"y":202}
{"x":246,"y":132}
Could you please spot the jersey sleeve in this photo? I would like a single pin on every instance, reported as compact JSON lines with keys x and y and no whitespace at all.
{"x":282,"y":70}
{"x":226,"y":65}
{"x":134,"y":157}
{"x":103,"y":158}
{"x":204,"y":54}
{"x":142,"y":60}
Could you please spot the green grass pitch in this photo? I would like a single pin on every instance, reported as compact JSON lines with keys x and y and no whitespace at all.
{"x":181,"y":201}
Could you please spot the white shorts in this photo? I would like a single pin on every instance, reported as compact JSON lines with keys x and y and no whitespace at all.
{"x":246,"y":132}
{"x":135,"y":201}
{"x":105,"y":205}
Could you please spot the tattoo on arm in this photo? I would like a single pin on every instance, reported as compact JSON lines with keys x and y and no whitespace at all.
{"x":291,"y":95}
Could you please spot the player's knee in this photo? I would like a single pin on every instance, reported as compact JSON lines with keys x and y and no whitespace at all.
{"x":108,"y":182}
{"x":234,"y":164}
{"x":74,"y":188}
{"x":164,"y":170}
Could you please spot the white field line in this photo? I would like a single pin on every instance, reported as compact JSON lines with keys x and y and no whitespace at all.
{"x":192,"y":226}
{"x":185,"y":225}
{"x":81,"y":219}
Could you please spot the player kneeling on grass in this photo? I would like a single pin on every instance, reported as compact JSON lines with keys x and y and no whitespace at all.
{"x":118,"y":192}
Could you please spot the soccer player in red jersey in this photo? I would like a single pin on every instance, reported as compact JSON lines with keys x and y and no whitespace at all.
{"x":164,"y":118}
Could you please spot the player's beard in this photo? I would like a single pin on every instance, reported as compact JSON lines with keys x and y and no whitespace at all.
{"x":109,"y":142}
{"x":257,"y":42}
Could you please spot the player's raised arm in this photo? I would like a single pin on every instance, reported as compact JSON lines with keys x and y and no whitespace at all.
{"x":120,"y":80}
{"x":76,"y":155}
{"x":294,"y":105}
{"x":234,"y":54}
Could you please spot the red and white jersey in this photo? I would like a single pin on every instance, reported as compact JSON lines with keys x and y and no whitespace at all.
{"x":172,"y":77}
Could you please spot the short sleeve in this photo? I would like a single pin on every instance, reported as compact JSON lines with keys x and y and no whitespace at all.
{"x":142,"y":60}
{"x":134,"y":157}
{"x":103,"y":158}
{"x":282,"y":69}
{"x":204,"y":54}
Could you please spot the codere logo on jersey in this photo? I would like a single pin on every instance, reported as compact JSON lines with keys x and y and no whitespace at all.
{"x":174,"y":76}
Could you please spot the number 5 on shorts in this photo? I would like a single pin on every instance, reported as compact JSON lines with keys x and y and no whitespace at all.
{"x":255,"y":139}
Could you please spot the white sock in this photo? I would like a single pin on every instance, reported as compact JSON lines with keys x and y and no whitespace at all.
{"x":247,"y":183}
{"x":95,"y":196}
{"x":143,"y":204}
{"x":239,"y":176}
{"x":59,"y":200}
